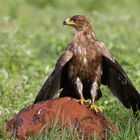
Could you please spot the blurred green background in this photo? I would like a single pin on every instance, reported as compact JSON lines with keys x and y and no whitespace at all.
{"x":32,"y":37}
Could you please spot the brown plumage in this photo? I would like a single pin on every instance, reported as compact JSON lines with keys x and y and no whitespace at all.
{"x":84,"y":66}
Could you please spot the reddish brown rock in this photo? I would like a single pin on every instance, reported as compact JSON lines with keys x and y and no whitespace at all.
{"x":31,"y":120}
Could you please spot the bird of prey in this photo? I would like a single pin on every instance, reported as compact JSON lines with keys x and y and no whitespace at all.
{"x":84,"y":66}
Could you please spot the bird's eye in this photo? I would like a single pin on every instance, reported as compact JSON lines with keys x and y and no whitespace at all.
{"x":73,"y":19}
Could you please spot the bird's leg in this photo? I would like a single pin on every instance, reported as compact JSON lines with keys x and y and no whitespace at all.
{"x":93,"y":91}
{"x":79,"y":88}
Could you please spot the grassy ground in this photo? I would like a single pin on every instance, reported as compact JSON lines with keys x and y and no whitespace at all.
{"x":32,"y":37}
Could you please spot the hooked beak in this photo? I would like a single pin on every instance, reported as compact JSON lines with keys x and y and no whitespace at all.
{"x":69,"y":22}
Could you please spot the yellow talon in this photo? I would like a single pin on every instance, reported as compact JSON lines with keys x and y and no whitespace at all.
{"x":82,"y":101}
{"x":96,"y":108}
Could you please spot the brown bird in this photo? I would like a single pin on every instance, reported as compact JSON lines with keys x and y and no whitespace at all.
{"x":84,"y":66}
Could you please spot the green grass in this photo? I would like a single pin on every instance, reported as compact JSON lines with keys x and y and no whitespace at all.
{"x":32,"y":38}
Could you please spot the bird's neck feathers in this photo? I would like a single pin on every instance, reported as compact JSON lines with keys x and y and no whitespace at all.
{"x":81,"y":37}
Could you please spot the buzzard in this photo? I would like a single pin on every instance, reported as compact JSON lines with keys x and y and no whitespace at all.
{"x":84,"y":66}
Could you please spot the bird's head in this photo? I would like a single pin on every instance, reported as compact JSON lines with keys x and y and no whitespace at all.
{"x":79,"y":22}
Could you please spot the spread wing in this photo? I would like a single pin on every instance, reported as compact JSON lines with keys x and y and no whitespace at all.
{"x":119,"y":83}
{"x":52,"y":84}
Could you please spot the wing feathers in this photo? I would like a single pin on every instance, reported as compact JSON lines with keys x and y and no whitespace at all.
{"x":52,"y":84}
{"x":119,"y":84}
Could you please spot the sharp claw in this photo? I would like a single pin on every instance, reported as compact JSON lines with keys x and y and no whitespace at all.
{"x":95,"y":108}
{"x":82,"y":101}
